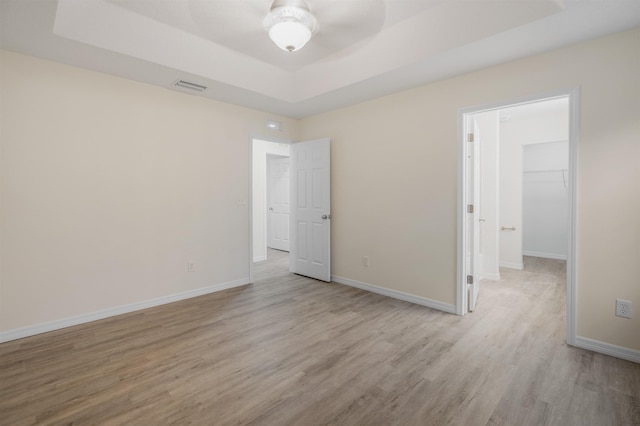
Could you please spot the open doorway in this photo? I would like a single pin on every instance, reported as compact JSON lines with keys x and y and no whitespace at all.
{"x":270,"y":206}
{"x":517,"y":194}
{"x":524,"y":193}
{"x":309,"y":205}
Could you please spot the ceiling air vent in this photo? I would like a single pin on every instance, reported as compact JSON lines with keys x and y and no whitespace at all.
{"x":190,"y":86}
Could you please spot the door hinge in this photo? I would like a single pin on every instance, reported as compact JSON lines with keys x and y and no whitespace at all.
{"x":470,"y":137}
{"x":469,"y":279}
{"x":469,"y":208}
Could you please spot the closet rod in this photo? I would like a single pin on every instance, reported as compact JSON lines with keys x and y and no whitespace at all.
{"x":546,"y":171}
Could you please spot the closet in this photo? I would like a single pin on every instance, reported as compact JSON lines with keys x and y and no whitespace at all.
{"x":545,"y":196}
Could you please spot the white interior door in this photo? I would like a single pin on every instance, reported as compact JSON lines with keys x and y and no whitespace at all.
{"x":278,"y":203}
{"x":310,"y":253}
{"x":473,"y":213}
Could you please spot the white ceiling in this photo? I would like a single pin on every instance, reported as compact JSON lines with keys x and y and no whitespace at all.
{"x":362,"y":50}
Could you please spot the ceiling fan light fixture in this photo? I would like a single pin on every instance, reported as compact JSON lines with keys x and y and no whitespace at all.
{"x":290,"y":24}
{"x":289,"y":35}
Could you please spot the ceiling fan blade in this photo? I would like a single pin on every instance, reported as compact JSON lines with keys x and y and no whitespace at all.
{"x":343,"y":23}
{"x":222,"y":19}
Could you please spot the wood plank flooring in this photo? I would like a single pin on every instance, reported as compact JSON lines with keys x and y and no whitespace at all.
{"x":293,"y":351}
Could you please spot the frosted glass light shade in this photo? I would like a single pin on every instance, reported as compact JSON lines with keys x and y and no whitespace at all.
{"x":290,"y":24}
{"x":290,"y":35}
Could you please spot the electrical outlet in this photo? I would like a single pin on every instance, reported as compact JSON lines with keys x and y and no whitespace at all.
{"x":365,"y":261}
{"x":191,"y":267}
{"x":623,"y":308}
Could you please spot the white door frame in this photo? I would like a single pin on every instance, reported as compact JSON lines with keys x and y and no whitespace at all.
{"x":473,"y":260}
{"x":252,"y":138}
{"x":461,"y":287}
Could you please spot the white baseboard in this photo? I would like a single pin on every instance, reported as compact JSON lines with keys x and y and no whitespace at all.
{"x":608,"y":349}
{"x":396,"y":294}
{"x":32,"y":330}
{"x":259,"y":259}
{"x":545,"y":255}
{"x":492,"y":277}
{"x":518,"y":266}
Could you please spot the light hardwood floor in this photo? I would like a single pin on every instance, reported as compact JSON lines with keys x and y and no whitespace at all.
{"x":293,"y":351}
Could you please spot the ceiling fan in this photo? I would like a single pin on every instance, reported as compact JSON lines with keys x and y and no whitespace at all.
{"x":247,"y":25}
{"x":290,"y":24}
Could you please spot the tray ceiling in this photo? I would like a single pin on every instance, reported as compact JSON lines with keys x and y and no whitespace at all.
{"x":363,"y":48}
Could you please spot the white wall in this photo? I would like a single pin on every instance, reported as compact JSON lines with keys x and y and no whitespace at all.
{"x":488,"y":124}
{"x":261,"y":149}
{"x":546,"y":200}
{"x":394,"y":179}
{"x":530,"y":124}
{"x":109,"y":187}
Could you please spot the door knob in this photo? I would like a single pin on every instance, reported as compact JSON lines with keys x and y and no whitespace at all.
{"x":271,"y":208}
{"x":325,"y":216}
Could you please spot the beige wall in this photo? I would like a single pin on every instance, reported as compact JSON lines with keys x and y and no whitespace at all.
{"x":394,"y":164}
{"x":109,"y":187}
